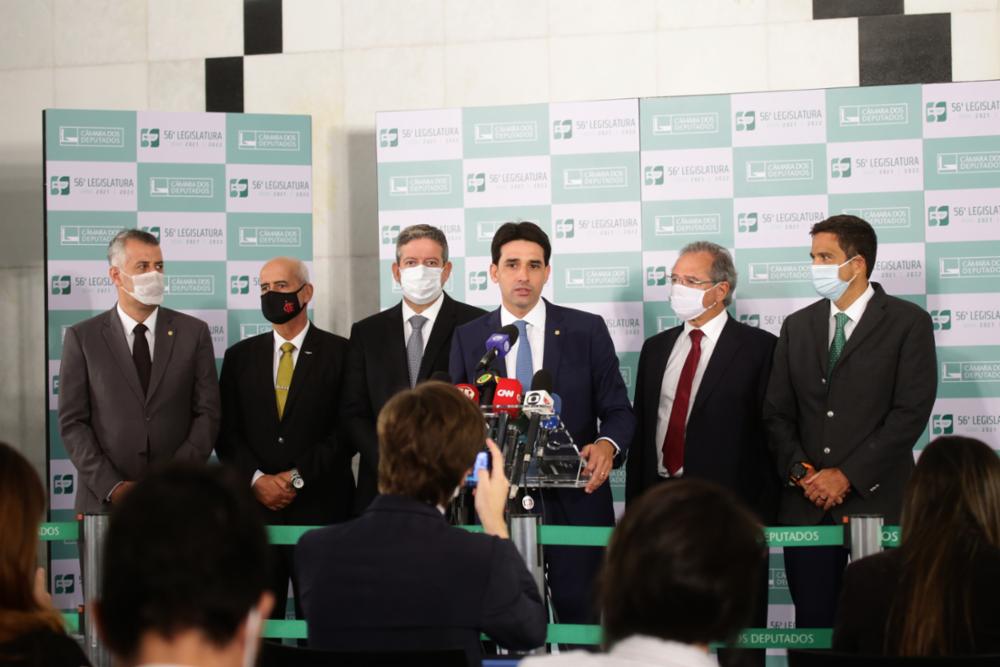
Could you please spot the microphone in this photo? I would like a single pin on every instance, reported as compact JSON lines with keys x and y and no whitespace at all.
{"x":486,"y":385}
{"x":497,"y":347}
{"x":507,"y":398}
{"x":539,"y":400}
{"x":552,"y":421}
{"x":469,"y":391}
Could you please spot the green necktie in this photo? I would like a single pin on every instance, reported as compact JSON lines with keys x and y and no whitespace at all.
{"x":284,"y":380}
{"x":839,"y":341}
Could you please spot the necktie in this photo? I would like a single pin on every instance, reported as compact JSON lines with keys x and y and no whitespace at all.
{"x":284,"y":380}
{"x":524,"y":368}
{"x":140,"y":356}
{"x":673,"y":443}
{"x":839,"y":341}
{"x":415,"y":347}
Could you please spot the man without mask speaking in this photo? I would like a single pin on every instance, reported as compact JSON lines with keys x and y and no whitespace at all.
{"x":852,"y":387}
{"x":137,"y":383}
{"x":393,"y":350}
{"x":280,"y":391}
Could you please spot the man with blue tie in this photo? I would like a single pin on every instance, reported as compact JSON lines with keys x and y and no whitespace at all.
{"x":576,"y":348}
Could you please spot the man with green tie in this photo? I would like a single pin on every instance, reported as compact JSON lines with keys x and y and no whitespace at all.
{"x":851,"y":389}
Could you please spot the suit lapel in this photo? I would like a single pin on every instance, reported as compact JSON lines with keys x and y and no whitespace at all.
{"x":725,"y":349}
{"x":870,"y":320}
{"x":162,"y":348}
{"x":262,"y":360}
{"x":444,"y":324}
{"x":553,"y":341}
{"x":820,"y":323}
{"x":307,"y":359}
{"x":396,"y":365}
{"x":114,"y":336}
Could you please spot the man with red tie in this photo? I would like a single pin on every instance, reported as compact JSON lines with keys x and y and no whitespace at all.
{"x":699,"y":394}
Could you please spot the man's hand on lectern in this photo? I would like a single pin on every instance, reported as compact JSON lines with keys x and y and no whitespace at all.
{"x":491,"y":494}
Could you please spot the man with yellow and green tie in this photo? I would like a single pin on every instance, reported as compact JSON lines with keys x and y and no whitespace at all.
{"x":280,"y":394}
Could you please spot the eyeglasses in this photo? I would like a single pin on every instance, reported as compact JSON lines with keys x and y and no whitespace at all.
{"x":688,"y":281}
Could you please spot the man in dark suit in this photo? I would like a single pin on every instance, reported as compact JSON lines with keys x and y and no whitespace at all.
{"x":280,"y":391}
{"x":576,"y":348}
{"x":852,"y":387}
{"x":699,"y":395}
{"x":138,"y":382}
{"x":399,"y":577}
{"x":388,"y":354}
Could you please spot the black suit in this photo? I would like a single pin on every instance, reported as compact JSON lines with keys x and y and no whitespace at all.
{"x":725,"y":440}
{"x":864,"y":420}
{"x":401,"y":578}
{"x":376,"y":370}
{"x":253,"y":438}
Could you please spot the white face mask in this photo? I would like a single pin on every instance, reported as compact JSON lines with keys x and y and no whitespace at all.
{"x":148,"y":288}
{"x":686,"y":302}
{"x":827,"y":282}
{"x":421,"y":284}
{"x":251,"y":641}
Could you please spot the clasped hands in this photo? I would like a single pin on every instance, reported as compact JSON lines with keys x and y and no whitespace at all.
{"x":826,"y":488}
{"x":275,"y":492}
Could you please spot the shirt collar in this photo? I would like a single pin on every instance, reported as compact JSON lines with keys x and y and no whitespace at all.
{"x":431,"y":312}
{"x":297,"y":341}
{"x":712,"y":329}
{"x":535,"y":317}
{"x":856,"y":309}
{"x":129,"y":323}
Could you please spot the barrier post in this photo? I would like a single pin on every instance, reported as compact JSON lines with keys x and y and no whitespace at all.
{"x":864,"y":534}
{"x":95,"y":528}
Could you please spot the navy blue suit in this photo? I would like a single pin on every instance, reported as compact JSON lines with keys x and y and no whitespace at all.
{"x":581,"y":357}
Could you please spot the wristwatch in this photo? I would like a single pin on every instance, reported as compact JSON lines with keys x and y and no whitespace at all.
{"x":799,"y":471}
{"x":297,"y":481}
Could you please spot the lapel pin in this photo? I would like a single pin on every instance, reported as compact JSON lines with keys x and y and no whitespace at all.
{"x":306,"y":351}
{"x":170,"y":332}
{"x":556,"y":332}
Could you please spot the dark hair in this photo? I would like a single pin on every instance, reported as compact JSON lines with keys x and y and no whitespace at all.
{"x":520,"y":231}
{"x":684,"y":564}
{"x":22,"y":507}
{"x":185,"y":550}
{"x":854,"y":236}
{"x":116,"y":248}
{"x":421,"y":231}
{"x":427,"y":438}
{"x":951,"y":514}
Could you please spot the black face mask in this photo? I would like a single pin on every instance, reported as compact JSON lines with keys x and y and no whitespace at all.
{"x":279,"y":307}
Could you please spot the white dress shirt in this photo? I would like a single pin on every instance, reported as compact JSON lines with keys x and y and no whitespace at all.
{"x":430,"y":313}
{"x":671,"y":377}
{"x":128,"y":324}
{"x":535,"y":320}
{"x":634,"y":651}
{"x":278,"y":342}
{"x":854,"y":311}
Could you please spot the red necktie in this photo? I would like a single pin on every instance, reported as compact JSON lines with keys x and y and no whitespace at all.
{"x":673,"y":443}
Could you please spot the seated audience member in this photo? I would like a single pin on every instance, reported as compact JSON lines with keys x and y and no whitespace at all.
{"x":938,"y":594}
{"x":681,"y":572}
{"x":31,"y":630}
{"x":186,"y":571}
{"x":400,"y":577}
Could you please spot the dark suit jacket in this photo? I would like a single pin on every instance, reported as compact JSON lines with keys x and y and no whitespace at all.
{"x":870,"y":585}
{"x":581,"y":357}
{"x":252,"y":438}
{"x":112,"y":431}
{"x":866,"y":418}
{"x":725,"y":439}
{"x":401,"y":578}
{"x":377,"y":369}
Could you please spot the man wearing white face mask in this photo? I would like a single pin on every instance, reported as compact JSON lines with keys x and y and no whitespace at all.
{"x":393,"y":350}
{"x":698,"y":396}
{"x":137,"y":383}
{"x":851,"y":390}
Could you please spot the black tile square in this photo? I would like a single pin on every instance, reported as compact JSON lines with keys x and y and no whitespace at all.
{"x":904,"y":49}
{"x":838,"y":9}
{"x":261,"y":27}
{"x":224,"y":84}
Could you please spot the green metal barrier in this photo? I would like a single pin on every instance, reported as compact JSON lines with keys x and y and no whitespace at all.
{"x":62,"y":531}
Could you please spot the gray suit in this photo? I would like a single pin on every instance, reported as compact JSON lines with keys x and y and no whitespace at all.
{"x":112,"y":431}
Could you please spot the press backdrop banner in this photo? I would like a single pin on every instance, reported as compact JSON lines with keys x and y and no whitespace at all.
{"x":621,"y":185}
{"x":222,"y":192}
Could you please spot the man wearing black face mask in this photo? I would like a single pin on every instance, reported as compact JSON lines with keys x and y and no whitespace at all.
{"x":280,"y":391}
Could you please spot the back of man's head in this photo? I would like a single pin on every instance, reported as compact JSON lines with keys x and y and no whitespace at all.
{"x":683,"y":565}
{"x":186,"y":551}
{"x":428,"y":437}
